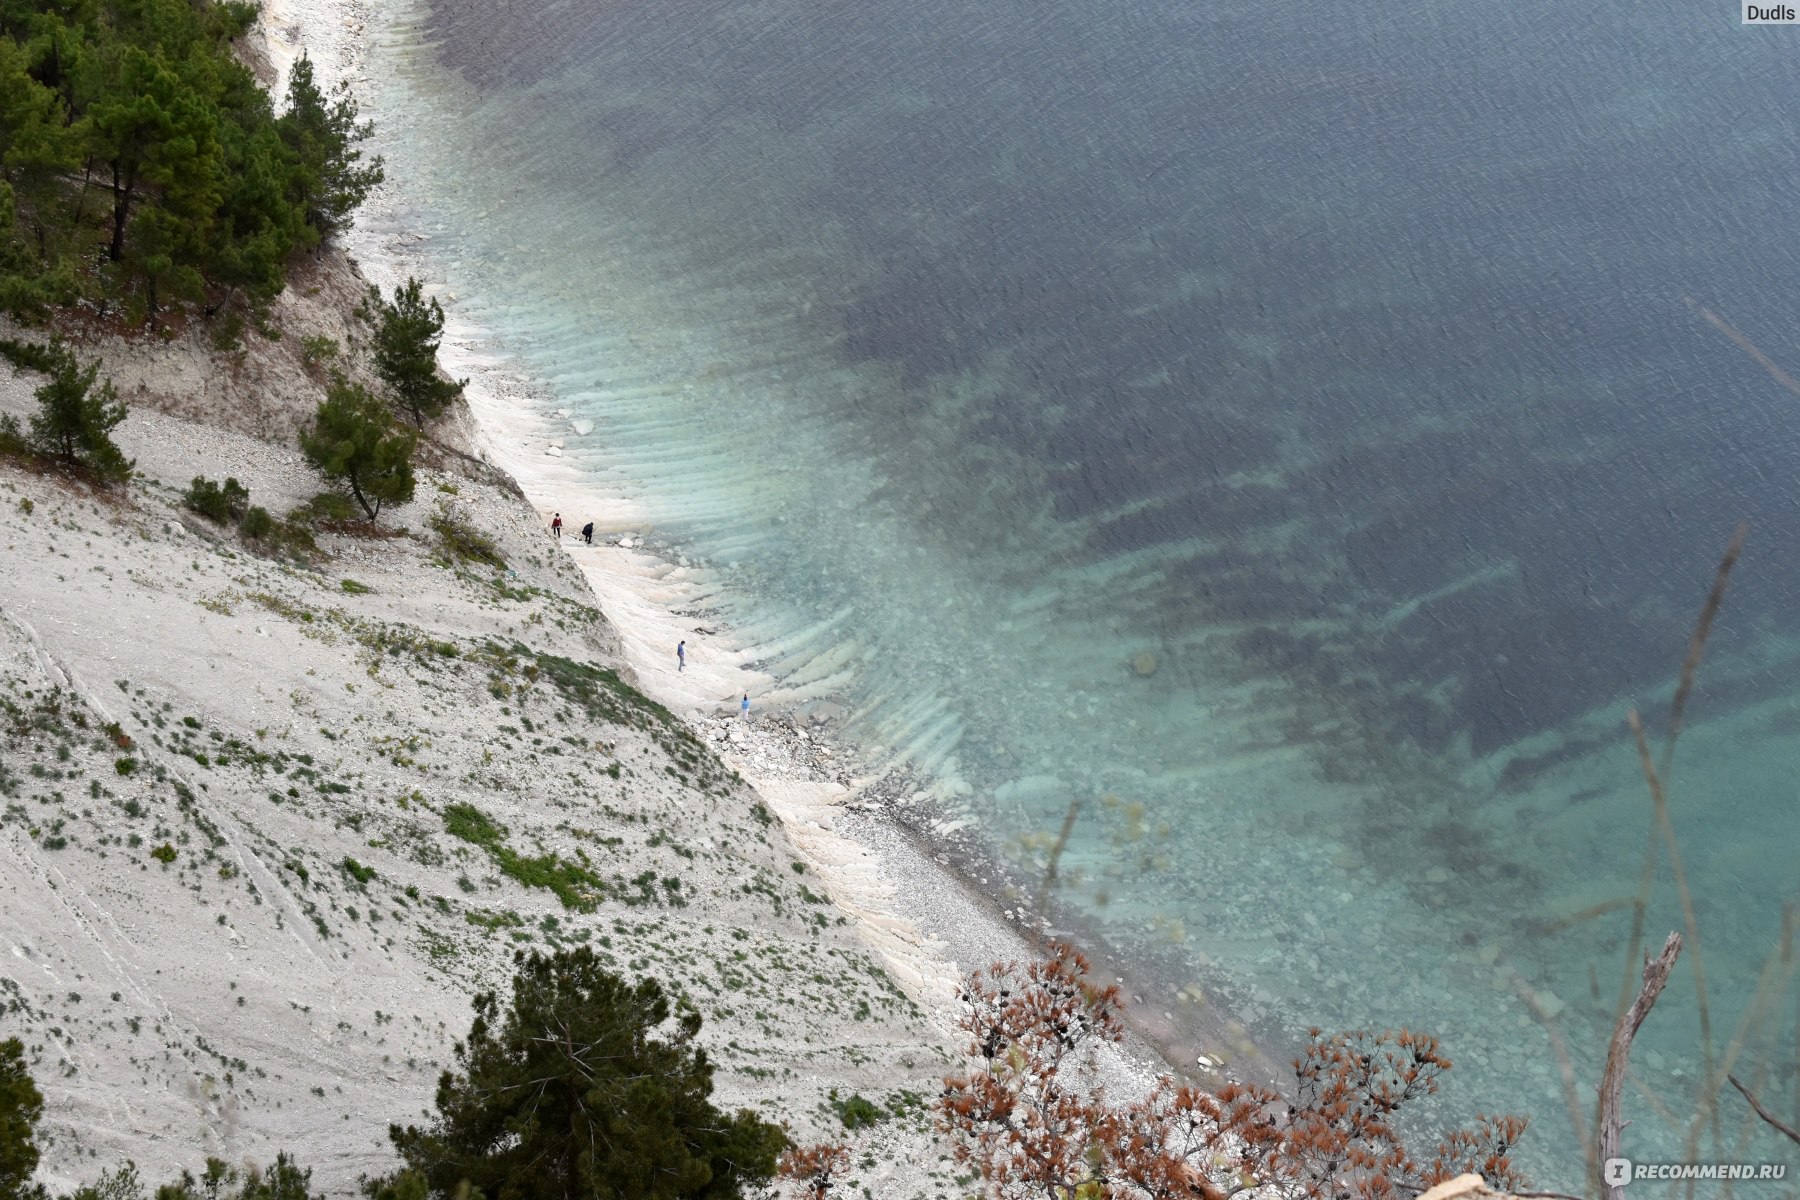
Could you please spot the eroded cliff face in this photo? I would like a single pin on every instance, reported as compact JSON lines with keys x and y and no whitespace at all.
{"x":267,"y":823}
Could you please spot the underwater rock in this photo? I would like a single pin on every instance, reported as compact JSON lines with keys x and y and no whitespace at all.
{"x":1143,"y":664}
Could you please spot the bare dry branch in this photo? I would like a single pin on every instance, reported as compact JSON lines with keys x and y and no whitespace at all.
{"x":1660,"y":799}
{"x":1715,"y":599}
{"x":1746,"y":345}
{"x":1056,"y":852}
{"x":1787,"y":1131}
{"x":1690,"y":666}
{"x":1608,"y":1121}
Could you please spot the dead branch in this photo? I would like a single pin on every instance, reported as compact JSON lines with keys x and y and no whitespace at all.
{"x":1609,"y":1123}
{"x":1746,"y":345}
{"x":1715,"y":599}
{"x":1787,"y":1131}
{"x":1056,"y":852}
{"x":1690,"y":666}
{"x":1659,"y":797}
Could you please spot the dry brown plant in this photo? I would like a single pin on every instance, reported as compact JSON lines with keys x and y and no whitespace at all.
{"x":818,"y":1168}
{"x":1030,"y":1116}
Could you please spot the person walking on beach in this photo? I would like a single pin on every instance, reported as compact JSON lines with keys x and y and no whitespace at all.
{"x":556,"y":524}
{"x":744,"y":708}
{"x":681,"y":656}
{"x":587,"y":533}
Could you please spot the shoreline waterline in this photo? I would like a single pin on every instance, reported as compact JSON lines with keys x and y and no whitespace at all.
{"x":650,"y":602}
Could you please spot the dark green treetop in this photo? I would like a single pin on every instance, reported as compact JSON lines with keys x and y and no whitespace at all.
{"x":583,"y":1086}
{"x":75,"y":419}
{"x":355,"y":443}
{"x":331,"y":180}
{"x":21,"y":1104}
{"x":133,"y":124}
{"x":406,"y":345}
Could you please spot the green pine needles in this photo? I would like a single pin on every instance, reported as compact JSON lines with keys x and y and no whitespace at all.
{"x":324,"y":135}
{"x":75,"y":418}
{"x":616,"y":1105}
{"x":135,"y":127}
{"x":21,"y":1105}
{"x":354,"y":443}
{"x":406,"y":345}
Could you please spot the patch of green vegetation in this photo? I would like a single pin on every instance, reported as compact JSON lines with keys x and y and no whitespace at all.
{"x":318,"y":350}
{"x":469,"y":823}
{"x":222,"y":504}
{"x":573,"y":884}
{"x":604,"y":696}
{"x":857,"y":1111}
{"x":461,"y":542}
{"x":355,"y":588}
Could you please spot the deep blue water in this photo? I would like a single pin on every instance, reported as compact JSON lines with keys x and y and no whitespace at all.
{"x":1283,"y":427}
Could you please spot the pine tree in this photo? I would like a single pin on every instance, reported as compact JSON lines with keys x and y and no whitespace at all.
{"x":406,"y":345}
{"x":328,"y":183}
{"x":354,"y":442}
{"x":21,"y":1104}
{"x":75,"y":419}
{"x":38,"y":148}
{"x":576,"y":1091}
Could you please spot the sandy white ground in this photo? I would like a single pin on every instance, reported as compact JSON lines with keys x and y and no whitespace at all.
{"x":292,"y":978}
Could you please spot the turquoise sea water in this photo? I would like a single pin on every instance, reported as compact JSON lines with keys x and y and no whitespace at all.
{"x":1281,"y":427}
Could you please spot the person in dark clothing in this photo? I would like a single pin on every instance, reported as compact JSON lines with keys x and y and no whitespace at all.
{"x":681,"y":656}
{"x":587,"y":533}
{"x":556,"y":524}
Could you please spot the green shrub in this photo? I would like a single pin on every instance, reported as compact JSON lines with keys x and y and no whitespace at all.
{"x":221,"y":504}
{"x":355,"y":588}
{"x":325,"y":509}
{"x":21,"y":1104}
{"x":164,"y":854}
{"x":257,"y":524}
{"x":318,"y":350}
{"x":858,"y":1112}
{"x":461,"y":542}
{"x":12,"y":440}
{"x":469,"y":823}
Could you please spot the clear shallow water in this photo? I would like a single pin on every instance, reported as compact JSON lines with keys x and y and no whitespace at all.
{"x":1336,"y":361}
